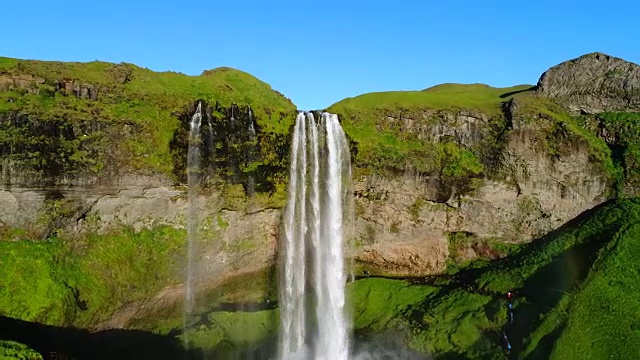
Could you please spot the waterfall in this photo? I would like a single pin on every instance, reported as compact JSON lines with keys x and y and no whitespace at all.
{"x":193,"y":177}
{"x":250,"y":158}
{"x":320,"y":175}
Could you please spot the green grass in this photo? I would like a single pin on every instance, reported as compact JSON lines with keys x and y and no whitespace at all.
{"x":30,"y":284}
{"x":166,"y":90}
{"x":11,"y":350}
{"x":81,"y":281}
{"x":377,"y":302}
{"x":478,"y":97}
{"x":603,"y":321}
{"x":242,"y":329}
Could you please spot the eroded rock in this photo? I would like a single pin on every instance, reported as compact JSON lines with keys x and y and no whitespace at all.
{"x":593,"y":83}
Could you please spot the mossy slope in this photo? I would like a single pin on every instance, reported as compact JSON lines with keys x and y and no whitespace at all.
{"x":63,"y":119}
{"x":11,"y":350}
{"x":82,"y":281}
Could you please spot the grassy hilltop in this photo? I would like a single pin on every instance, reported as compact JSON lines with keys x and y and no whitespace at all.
{"x":383,"y":145}
{"x":84,"y":117}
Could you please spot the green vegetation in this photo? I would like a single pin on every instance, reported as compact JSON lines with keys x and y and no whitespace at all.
{"x":604,"y":319}
{"x":561,"y":281}
{"x":387,"y":126}
{"x":479,"y":97}
{"x":83,"y":280}
{"x":576,"y":291}
{"x":243,"y":328}
{"x":91,"y":118}
{"x":559,"y":133}
{"x":461,"y":243}
{"x":11,"y":350}
{"x":622,"y":131}
{"x":377,"y":302}
{"x":417,"y":130}
{"x":415,"y":208}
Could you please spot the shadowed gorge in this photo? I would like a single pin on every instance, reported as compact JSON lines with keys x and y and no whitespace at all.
{"x":154,"y":214}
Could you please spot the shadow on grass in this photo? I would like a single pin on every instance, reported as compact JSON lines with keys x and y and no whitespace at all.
{"x":72,"y":343}
{"x":511,"y":93}
{"x":264,"y":349}
{"x":545,"y":345}
{"x":546,"y":288}
{"x":541,"y":291}
{"x":466,"y":278}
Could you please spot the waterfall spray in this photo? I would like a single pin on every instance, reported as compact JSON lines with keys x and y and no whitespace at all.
{"x":193,"y":177}
{"x":320,"y":174}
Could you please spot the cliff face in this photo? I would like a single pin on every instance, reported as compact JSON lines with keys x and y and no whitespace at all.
{"x":412,"y":223}
{"x":95,"y":123}
{"x":448,"y":173}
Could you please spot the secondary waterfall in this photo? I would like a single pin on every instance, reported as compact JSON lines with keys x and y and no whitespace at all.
{"x":314,"y":269}
{"x":193,"y":177}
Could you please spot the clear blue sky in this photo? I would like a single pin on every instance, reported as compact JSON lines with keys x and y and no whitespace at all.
{"x":319,"y":52}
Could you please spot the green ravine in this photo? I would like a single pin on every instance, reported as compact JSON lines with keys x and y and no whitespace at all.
{"x":78,"y":123}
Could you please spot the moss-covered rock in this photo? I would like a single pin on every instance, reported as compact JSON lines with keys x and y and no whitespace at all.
{"x":93,"y":122}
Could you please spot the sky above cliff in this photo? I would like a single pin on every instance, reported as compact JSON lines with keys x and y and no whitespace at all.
{"x":320,"y":52}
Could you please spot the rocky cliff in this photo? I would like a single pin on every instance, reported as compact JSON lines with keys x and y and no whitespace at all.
{"x":593,"y":83}
{"x":445,"y":174}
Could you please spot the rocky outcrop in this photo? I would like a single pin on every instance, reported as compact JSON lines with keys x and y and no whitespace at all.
{"x":465,"y":126}
{"x":25,"y":82}
{"x":593,"y":83}
{"x":402,"y":225}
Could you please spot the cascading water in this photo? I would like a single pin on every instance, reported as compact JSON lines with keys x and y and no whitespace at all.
{"x":320,"y":176}
{"x":193,"y":177}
